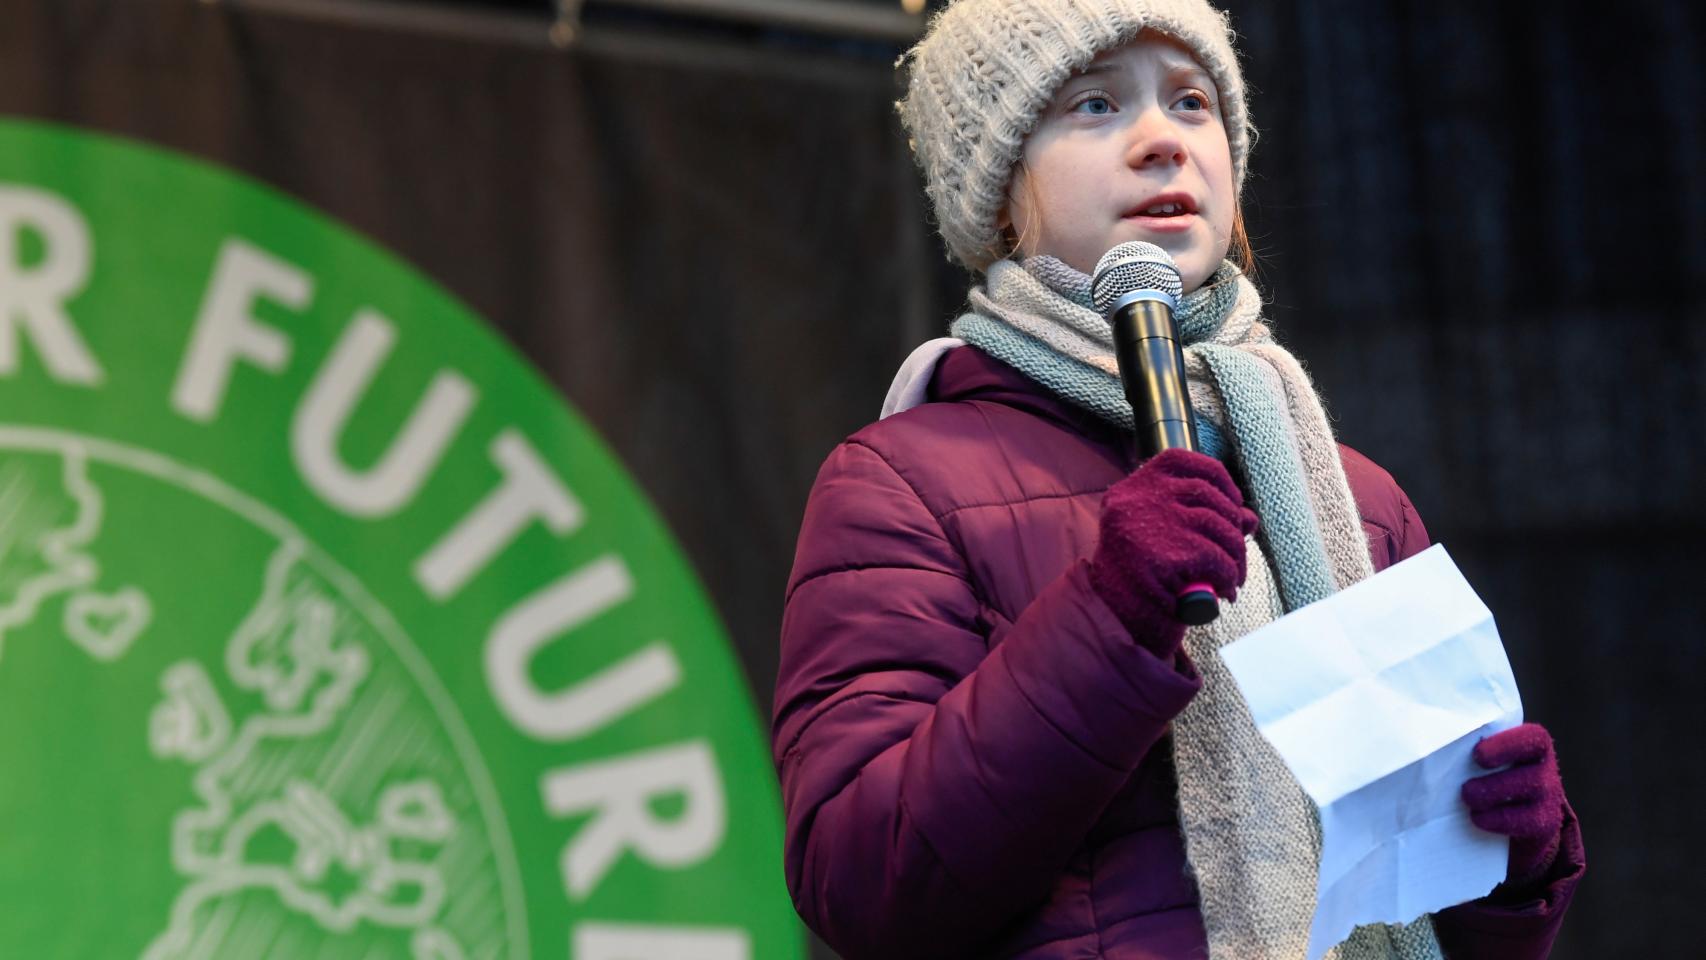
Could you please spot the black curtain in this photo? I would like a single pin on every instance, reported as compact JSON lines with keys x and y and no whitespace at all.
{"x":1485,"y":233}
{"x":1482,"y":226}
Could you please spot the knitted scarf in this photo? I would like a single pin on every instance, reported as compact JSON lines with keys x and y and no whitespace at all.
{"x":1252,"y":836}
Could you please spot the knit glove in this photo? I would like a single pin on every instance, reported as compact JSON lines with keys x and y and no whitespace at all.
{"x":1524,"y":801}
{"x":1177,"y":520}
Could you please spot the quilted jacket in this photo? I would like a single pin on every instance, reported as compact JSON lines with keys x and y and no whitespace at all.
{"x":972,"y":750}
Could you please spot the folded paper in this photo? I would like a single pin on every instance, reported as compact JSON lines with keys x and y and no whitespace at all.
{"x":1374,"y":698}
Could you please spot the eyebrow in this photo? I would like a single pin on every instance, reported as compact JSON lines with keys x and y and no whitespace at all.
{"x":1175,"y":71}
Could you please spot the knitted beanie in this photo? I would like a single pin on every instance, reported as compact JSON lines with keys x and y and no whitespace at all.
{"x":986,"y":68}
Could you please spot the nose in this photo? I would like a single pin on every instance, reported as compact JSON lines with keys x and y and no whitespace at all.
{"x":1155,"y":141}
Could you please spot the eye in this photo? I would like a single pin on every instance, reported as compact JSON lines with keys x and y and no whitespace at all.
{"x":1195,"y":101}
{"x":1095,"y":104}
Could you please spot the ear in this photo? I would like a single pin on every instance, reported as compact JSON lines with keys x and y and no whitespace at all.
{"x":1015,"y":183}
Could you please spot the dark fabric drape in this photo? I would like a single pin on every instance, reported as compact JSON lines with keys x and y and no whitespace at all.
{"x":1483,"y":227}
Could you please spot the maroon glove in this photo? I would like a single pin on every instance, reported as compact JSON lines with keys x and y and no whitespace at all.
{"x":1524,"y":802}
{"x":1177,"y":520}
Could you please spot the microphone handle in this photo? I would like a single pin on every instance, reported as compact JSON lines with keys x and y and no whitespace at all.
{"x":1152,"y":368}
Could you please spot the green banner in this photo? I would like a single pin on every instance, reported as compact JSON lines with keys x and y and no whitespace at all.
{"x":327,"y":629}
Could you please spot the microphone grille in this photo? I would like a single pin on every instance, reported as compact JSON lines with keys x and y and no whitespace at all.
{"x":1135,"y":265}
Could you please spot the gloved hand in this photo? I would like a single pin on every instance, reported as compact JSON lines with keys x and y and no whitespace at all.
{"x":1524,"y":802}
{"x":1177,"y":520}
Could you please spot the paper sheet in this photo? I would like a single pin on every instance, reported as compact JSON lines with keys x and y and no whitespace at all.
{"x":1374,"y":697}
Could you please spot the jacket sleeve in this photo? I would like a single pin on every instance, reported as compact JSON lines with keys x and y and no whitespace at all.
{"x":934,"y":789}
{"x":1412,"y":536}
{"x":1507,"y":924}
{"x":1517,"y":924}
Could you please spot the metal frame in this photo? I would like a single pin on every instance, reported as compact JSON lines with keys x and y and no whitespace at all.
{"x":436,"y":19}
{"x":833,"y":17}
{"x":839,"y":17}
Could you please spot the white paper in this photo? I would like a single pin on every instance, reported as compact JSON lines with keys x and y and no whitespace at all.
{"x":1374,"y":698}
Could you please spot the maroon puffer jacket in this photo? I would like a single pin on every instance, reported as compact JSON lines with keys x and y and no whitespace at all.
{"x":971,"y":748}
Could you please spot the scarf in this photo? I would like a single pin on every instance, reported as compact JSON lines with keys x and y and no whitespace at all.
{"x":1252,"y":836}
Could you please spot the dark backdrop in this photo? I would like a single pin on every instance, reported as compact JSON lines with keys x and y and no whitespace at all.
{"x":1483,"y":227}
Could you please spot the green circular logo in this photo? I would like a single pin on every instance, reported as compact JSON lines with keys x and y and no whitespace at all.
{"x":326,"y":628}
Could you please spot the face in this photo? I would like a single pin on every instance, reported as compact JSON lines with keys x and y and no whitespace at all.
{"x":1138,"y":129}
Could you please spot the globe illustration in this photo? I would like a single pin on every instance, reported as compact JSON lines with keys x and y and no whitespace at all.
{"x":234,"y":749}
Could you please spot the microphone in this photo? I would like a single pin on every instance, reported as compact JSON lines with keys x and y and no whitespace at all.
{"x":1136,"y":287}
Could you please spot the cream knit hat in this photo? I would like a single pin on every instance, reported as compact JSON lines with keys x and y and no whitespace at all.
{"x":986,"y":68}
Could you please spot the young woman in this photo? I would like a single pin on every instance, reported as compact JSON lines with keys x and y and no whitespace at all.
{"x":993,"y":736}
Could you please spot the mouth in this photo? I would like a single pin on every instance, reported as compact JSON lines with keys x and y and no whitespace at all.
{"x":1167,"y":212}
{"x":1172,"y":223}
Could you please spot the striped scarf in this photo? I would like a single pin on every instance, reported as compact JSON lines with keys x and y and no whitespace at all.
{"x":1252,"y":836}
